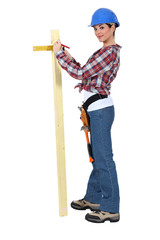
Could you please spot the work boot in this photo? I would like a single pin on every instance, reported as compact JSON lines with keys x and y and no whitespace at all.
{"x":101,"y":217}
{"x":83,"y":205}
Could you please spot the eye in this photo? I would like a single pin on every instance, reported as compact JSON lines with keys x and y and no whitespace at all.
{"x":101,"y":27}
{"x":95,"y":29}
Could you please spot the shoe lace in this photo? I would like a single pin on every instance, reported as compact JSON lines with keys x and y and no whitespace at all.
{"x":97,"y":211}
{"x":82,"y":200}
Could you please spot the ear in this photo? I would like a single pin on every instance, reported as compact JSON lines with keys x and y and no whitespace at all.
{"x":113,"y":28}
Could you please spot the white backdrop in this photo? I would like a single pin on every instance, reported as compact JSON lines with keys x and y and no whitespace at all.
{"x":28,"y":170}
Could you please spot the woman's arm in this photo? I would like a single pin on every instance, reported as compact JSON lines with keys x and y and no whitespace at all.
{"x":68,"y":54}
{"x":99,"y":63}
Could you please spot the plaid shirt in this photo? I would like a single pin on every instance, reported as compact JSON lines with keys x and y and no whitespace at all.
{"x":99,"y":71}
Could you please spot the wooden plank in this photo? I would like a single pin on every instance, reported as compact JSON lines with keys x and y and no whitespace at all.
{"x":59,"y":128}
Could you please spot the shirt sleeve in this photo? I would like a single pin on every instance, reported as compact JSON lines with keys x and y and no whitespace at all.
{"x":77,"y":63}
{"x":97,"y":64}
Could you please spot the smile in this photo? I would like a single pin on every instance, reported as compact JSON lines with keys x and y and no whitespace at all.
{"x":100,"y":36}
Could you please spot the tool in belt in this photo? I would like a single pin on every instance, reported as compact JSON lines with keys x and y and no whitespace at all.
{"x":86,"y":120}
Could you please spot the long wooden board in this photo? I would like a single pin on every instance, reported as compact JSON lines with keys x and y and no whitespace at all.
{"x":59,"y":128}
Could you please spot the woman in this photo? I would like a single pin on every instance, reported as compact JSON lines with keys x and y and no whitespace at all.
{"x":102,"y":195}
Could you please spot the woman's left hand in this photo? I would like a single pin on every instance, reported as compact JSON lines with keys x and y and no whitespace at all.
{"x":57,"y":46}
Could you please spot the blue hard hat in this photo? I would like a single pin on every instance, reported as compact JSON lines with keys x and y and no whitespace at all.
{"x":104,"y":15}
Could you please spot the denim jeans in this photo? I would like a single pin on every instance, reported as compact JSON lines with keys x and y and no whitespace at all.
{"x":103,"y":186}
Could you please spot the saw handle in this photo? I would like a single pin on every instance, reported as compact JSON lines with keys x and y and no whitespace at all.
{"x":89,"y":148}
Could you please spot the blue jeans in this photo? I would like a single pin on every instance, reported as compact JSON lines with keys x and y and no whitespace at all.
{"x":103,"y":186}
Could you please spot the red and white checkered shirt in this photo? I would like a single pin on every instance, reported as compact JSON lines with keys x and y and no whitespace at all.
{"x":99,"y":71}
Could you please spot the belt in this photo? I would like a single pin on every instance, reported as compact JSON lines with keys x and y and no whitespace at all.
{"x":92,"y":99}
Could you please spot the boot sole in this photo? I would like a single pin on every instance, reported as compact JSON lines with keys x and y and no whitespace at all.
{"x":113,"y":219}
{"x":77,"y":207}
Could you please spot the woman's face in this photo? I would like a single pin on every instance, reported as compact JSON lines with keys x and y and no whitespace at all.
{"x":103,"y":32}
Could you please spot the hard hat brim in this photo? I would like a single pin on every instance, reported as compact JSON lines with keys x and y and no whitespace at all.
{"x":117,"y":24}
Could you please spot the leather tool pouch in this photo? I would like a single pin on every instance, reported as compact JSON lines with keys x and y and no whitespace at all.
{"x":85,"y":119}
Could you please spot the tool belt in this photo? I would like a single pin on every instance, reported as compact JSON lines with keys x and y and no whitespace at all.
{"x":92,"y":99}
{"x":84,"y":115}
